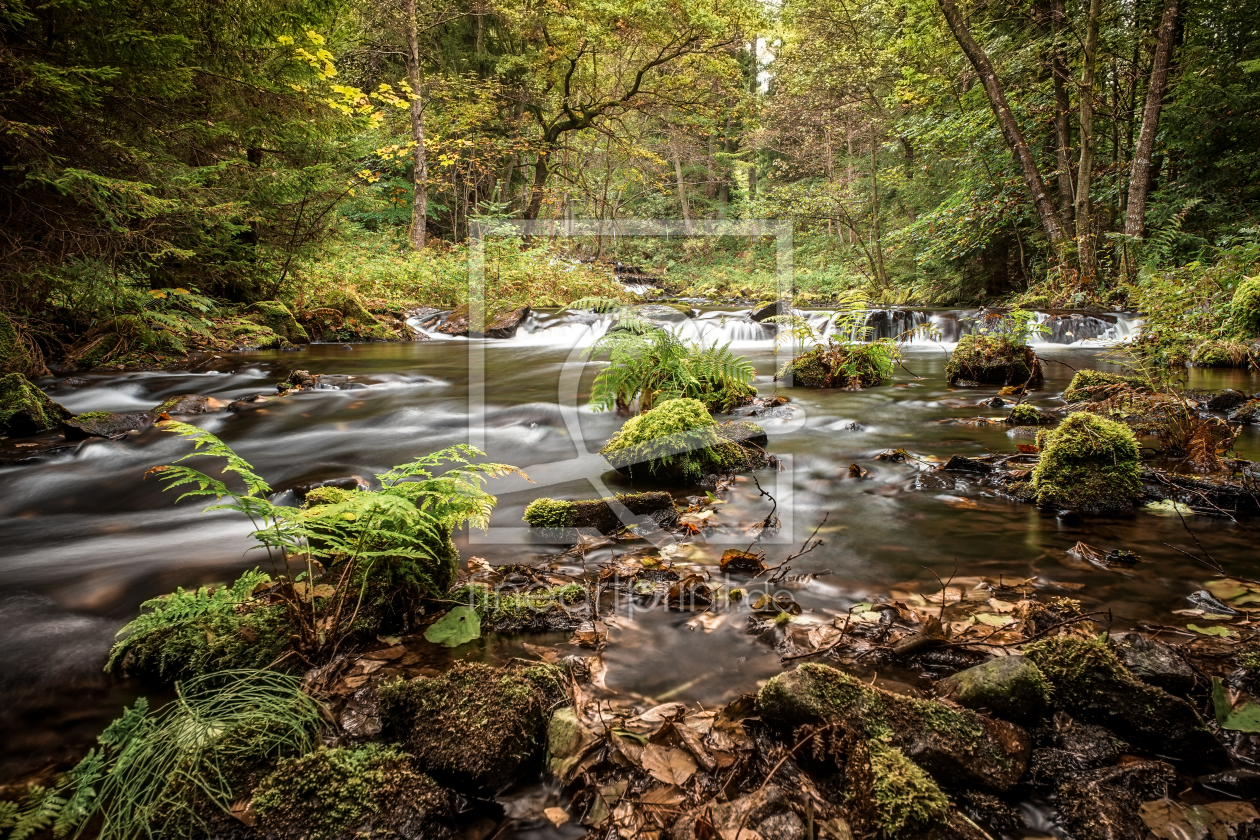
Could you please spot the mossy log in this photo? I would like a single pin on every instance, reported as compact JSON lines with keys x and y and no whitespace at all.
{"x":993,"y":360}
{"x":475,"y":727}
{"x":602,"y":515}
{"x":26,"y":410}
{"x":955,"y":744}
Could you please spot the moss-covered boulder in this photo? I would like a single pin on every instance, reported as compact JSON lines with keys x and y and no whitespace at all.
{"x":1245,"y":307}
{"x":841,"y":365}
{"x":952,"y":744}
{"x":279,"y":320}
{"x":474,"y":727}
{"x":1093,"y":385}
{"x":352,"y":792}
{"x":1088,"y":464}
{"x":26,"y":410}
{"x":535,"y":609}
{"x":104,"y":424}
{"x":1092,"y":684}
{"x":1024,"y":414}
{"x":678,"y":442}
{"x":1221,"y":353}
{"x":993,"y":360}
{"x":249,"y":335}
{"x":1010,"y":687}
{"x":556,"y":515}
{"x":502,"y":322}
{"x":1247,"y":413}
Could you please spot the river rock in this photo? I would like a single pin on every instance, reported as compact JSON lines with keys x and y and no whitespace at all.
{"x":992,"y":360}
{"x":1154,"y":662}
{"x":475,"y":727}
{"x":769,"y":310}
{"x":1103,"y":804}
{"x":1225,"y":400}
{"x":599,"y":514}
{"x":1088,"y":464}
{"x":958,"y":463}
{"x":499,"y":324}
{"x":26,"y":410}
{"x":1091,"y":683}
{"x":105,"y":424}
{"x":1009,"y":687}
{"x":297,"y":380}
{"x":187,"y":404}
{"x":1248,"y":413}
{"x":663,"y":313}
{"x":953,"y":744}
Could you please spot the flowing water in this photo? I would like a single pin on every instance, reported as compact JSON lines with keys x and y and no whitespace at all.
{"x":87,"y":538}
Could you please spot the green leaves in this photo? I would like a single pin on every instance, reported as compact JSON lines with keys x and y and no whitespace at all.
{"x":460,"y":625}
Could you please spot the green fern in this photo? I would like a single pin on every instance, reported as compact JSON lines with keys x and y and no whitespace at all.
{"x":656,"y":365}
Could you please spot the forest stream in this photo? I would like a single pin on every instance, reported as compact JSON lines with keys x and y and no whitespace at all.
{"x":87,"y":538}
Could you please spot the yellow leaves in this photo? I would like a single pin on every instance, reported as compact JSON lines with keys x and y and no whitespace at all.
{"x":314,"y":37}
{"x":285,"y":40}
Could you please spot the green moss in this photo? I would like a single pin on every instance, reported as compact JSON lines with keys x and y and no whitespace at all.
{"x":549,"y":513}
{"x":351,"y":792}
{"x":1245,"y":307}
{"x":475,"y":726}
{"x":1024,"y":414}
{"x":26,"y":410}
{"x":1088,"y":464}
{"x":517,"y":611}
{"x":188,"y":633}
{"x":262,"y":337}
{"x":905,"y":796}
{"x":355,"y":320}
{"x":993,"y":360}
{"x":89,"y":416}
{"x":276,"y":317}
{"x":674,"y":441}
{"x":1092,"y":385}
{"x":842,"y":365}
{"x":1220,"y":353}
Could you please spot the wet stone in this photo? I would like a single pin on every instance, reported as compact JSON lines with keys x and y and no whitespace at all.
{"x":1009,"y":687}
{"x":1103,"y":804}
{"x":1247,"y":413}
{"x":1154,"y":662}
{"x":1225,"y":400}
{"x":104,"y":424}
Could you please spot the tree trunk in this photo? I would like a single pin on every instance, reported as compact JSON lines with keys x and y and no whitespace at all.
{"x":877,"y":243}
{"x":911,"y":210}
{"x":540,"y":184}
{"x":1084,"y":175}
{"x":1010,"y":128}
{"x":682,"y":190}
{"x":1062,"y":122}
{"x":1140,"y":179}
{"x":420,"y":178}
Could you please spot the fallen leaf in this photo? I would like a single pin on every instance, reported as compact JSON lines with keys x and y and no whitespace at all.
{"x":1169,"y":820}
{"x":735,"y":560}
{"x":1239,"y":713}
{"x":668,"y":764}
{"x":557,"y":816}
{"x":1210,"y":631}
{"x":460,"y":625}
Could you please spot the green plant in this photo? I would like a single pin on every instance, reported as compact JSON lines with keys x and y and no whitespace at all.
{"x":153,"y":774}
{"x":1087,"y":463}
{"x":653,"y":365}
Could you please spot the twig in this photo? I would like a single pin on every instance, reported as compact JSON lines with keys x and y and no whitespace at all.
{"x":806,"y":547}
{"x":944,"y":586}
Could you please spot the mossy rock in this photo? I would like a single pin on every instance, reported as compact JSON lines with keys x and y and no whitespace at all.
{"x":341,"y":315}
{"x":1024,"y":414}
{"x":837,"y":365}
{"x":345,"y":793}
{"x":907,"y":800}
{"x":678,"y":442}
{"x":1248,"y":413}
{"x":259,"y":335}
{"x":1093,"y":385}
{"x":1092,"y":684}
{"x":599,"y":514}
{"x":1010,"y":687}
{"x":500,"y":323}
{"x":1222,"y":354}
{"x":279,"y":320}
{"x":104,"y":424}
{"x":1245,"y":307}
{"x":955,"y":744}
{"x":475,"y":727}
{"x":1088,"y":464}
{"x":531,"y":610}
{"x":26,"y":410}
{"x":993,"y":360}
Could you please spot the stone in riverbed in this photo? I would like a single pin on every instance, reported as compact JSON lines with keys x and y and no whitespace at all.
{"x":1009,"y":687}
{"x":499,"y":324}
{"x":1247,"y":413}
{"x":958,"y":745}
{"x":1154,"y":662}
{"x":474,"y":727}
{"x":1225,"y":400}
{"x":105,"y":424}
{"x":1103,"y":804}
{"x":1088,"y":464}
{"x":187,"y":404}
{"x":26,"y":410}
{"x":992,"y":360}
{"x":600,"y":514}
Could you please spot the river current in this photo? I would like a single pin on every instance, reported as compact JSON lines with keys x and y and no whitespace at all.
{"x":87,"y":539}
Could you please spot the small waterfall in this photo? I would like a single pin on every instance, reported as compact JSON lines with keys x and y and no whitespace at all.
{"x":918,"y":326}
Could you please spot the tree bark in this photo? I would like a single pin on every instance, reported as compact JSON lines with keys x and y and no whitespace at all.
{"x":1084,"y":175}
{"x":877,"y":239}
{"x":541,"y":172}
{"x":1024,"y":159}
{"x":1062,"y":122}
{"x":1141,"y":176}
{"x":682,"y":190}
{"x":420,"y":177}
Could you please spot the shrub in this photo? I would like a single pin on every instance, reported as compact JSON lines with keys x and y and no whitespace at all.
{"x":1088,"y":464}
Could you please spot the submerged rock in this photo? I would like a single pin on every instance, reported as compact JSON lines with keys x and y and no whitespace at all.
{"x":26,"y":410}
{"x":1248,"y":413}
{"x":679,"y":442}
{"x":501,"y":323}
{"x":599,"y":514}
{"x":1087,"y":464}
{"x":474,"y":726}
{"x":1010,"y":687}
{"x":1092,"y":684}
{"x":105,"y":424}
{"x":352,"y":792}
{"x":959,"y":745}
{"x":993,"y":360}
